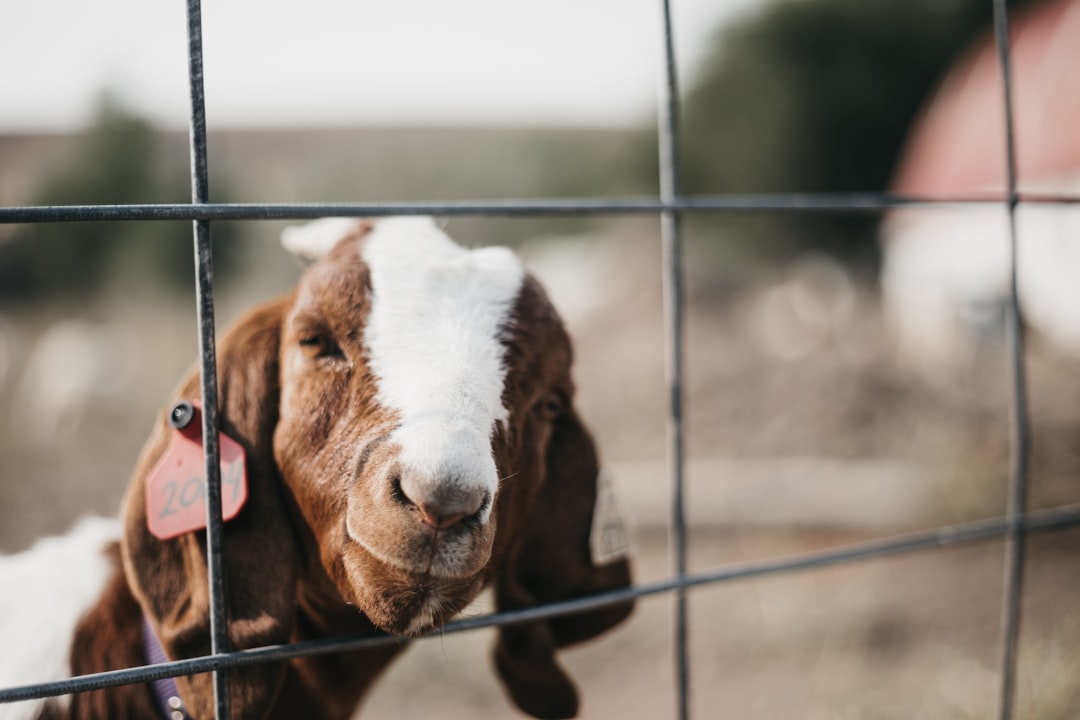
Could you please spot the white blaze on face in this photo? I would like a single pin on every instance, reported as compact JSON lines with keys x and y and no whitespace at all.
{"x":433,"y":340}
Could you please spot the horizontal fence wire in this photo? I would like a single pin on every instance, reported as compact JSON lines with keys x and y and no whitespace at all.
{"x":701,"y":204}
{"x":1058,"y":518}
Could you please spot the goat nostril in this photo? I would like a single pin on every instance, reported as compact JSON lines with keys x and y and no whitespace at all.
{"x":431,"y":517}
{"x":397,"y":493}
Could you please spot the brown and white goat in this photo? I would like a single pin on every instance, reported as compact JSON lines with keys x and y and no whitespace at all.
{"x":410,"y":435}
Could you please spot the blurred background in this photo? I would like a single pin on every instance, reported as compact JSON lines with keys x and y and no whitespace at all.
{"x":846,"y":373}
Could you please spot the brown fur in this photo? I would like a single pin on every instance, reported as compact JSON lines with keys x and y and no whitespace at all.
{"x":316,"y":442}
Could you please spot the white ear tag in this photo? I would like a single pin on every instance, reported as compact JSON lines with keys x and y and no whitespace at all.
{"x":607,"y":541}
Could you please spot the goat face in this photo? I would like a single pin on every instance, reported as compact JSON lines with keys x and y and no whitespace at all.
{"x":410,"y":435}
{"x":395,"y":410}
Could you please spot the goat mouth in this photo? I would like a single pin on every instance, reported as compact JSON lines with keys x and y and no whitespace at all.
{"x":413,"y":596}
{"x":440,"y":554}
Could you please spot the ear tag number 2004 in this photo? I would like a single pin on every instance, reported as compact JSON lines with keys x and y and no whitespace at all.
{"x":176,"y":487}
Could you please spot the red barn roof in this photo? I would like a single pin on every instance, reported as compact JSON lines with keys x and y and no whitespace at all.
{"x":958,"y":144}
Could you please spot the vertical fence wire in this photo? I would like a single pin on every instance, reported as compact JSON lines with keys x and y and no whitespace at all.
{"x":670,"y":208}
{"x":673,"y":292}
{"x":204,"y":275}
{"x":1019,"y":429}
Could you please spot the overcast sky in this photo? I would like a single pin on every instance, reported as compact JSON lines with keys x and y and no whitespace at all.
{"x":334,"y":62}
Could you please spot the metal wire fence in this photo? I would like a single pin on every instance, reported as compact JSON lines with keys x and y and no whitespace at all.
{"x":670,"y":206}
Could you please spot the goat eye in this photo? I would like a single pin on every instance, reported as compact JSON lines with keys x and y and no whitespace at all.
{"x":319,"y":346}
{"x":551,"y":406}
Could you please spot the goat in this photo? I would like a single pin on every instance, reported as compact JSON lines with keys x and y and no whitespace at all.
{"x":409,"y":435}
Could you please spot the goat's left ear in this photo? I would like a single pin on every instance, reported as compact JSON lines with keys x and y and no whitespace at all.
{"x":558,"y":559}
{"x":260,"y":553}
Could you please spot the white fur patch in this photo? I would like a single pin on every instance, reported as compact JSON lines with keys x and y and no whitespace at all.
{"x":43,"y":593}
{"x":424,"y":619}
{"x":433,"y":342}
{"x":317,"y":238}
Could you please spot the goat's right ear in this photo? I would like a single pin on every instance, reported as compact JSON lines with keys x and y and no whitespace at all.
{"x":261,"y":555}
{"x":560,"y":556}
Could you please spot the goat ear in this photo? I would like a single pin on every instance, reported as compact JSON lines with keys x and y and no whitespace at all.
{"x":169,"y":577}
{"x":555,"y":561}
{"x":317,"y":238}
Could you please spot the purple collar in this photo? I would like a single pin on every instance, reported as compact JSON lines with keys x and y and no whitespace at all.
{"x":170,"y":706}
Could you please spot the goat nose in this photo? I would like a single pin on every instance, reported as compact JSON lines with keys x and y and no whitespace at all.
{"x":442,"y":506}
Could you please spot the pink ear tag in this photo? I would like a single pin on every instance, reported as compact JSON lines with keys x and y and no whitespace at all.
{"x":175,"y":490}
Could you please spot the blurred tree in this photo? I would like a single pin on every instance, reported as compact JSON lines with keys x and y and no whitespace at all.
{"x":120,"y":159}
{"x":816,"y":96}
